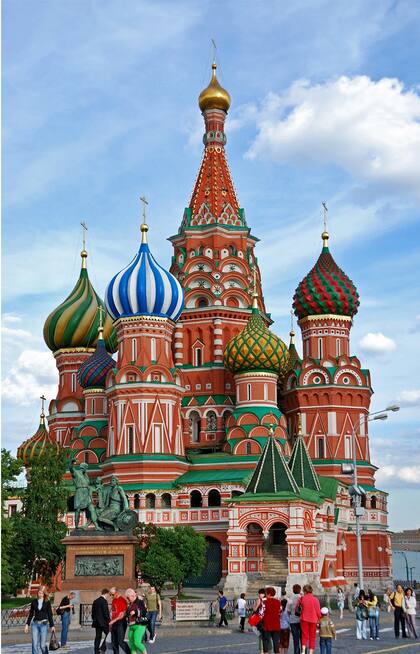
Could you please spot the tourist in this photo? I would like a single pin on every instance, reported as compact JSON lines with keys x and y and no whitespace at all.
{"x":410,"y":612}
{"x":40,"y":614}
{"x":100,"y":621}
{"x":222,"y":601}
{"x":258,"y":610}
{"x":310,"y":613}
{"x":362,"y":617}
{"x":294,"y":619}
{"x":271,"y":621}
{"x":241,"y":607}
{"x":387,"y":600}
{"x":326,"y":631}
{"x":137,"y":622}
{"x":340,"y":601}
{"x":397,"y":600}
{"x":284,"y":627}
{"x":118,"y":624}
{"x":373,"y":610}
{"x":64,"y":611}
{"x":154,"y":608}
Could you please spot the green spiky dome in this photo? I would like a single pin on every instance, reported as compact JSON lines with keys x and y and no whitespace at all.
{"x":75,"y":322}
{"x":256,"y":348}
{"x":35,"y":446}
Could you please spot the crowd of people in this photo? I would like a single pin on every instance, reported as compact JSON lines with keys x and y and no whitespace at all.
{"x":272,"y":618}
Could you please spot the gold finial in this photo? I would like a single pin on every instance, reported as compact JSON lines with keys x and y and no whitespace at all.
{"x":299,"y":425}
{"x":42,"y":417}
{"x":325,"y":236}
{"x":144,"y":228}
{"x":254,"y":292}
{"x":292,"y":331}
{"x":101,"y":311}
{"x":84,"y":253}
{"x":271,"y":430}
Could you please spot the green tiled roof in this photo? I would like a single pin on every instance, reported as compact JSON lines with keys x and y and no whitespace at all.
{"x":301,"y":466}
{"x":96,"y":424}
{"x":272,"y":473}
{"x":329,"y":486}
{"x":202,"y":399}
{"x":258,"y":411}
{"x":214,"y":476}
{"x":303,"y":494}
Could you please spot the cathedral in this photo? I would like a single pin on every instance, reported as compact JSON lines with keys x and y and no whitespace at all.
{"x":177,"y":384}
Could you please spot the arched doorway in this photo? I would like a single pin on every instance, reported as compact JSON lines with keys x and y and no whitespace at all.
{"x":213,"y":567}
{"x":276,"y":564}
{"x":277,"y":534}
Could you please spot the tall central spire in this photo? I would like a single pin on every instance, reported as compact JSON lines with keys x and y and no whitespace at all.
{"x":213,"y":200}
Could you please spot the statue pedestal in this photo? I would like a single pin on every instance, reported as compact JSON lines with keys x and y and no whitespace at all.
{"x":96,"y":560}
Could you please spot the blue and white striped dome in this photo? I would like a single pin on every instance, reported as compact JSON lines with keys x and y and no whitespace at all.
{"x":144,"y":288}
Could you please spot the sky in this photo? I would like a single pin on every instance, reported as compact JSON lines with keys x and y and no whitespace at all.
{"x":100,"y":107}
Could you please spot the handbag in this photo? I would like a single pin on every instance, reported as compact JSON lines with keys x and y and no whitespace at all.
{"x":54,"y":644}
{"x":254,"y":619}
{"x":298,"y":609}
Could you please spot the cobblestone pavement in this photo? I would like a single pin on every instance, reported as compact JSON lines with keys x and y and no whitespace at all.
{"x":224,"y":642}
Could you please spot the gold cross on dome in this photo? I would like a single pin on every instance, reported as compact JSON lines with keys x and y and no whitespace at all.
{"x":214,"y":50}
{"x":324,"y":204}
{"x":145,"y":204}
{"x":84,"y":230}
{"x":43,"y":399}
{"x":291,"y":319}
{"x":101,"y":312}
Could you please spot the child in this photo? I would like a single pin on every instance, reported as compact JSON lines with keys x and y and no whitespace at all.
{"x":241,"y":606}
{"x":326,"y":631}
{"x":284,"y":627}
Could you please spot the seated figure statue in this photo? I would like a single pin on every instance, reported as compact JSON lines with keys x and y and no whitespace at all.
{"x":115,"y":503}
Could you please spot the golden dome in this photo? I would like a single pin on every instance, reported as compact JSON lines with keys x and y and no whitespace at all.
{"x":214,"y":96}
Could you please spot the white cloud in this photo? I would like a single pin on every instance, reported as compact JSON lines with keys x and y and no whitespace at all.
{"x":409,"y":398}
{"x":371,"y":129}
{"x":376,"y":343}
{"x":11,"y":318}
{"x":392,"y":473}
{"x":15,"y":334}
{"x":33,"y":374}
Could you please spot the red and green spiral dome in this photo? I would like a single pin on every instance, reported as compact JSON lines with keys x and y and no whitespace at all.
{"x":326,"y":289}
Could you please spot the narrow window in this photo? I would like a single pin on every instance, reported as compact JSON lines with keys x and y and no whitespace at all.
{"x":303,"y":422}
{"x":248,"y":391}
{"x":136,"y":501}
{"x":93,"y":407}
{"x":248,"y":448}
{"x":134,"y":349}
{"x":332,"y":422}
{"x":73,"y":382}
{"x":265,"y":391}
{"x":320,"y":348}
{"x":158,"y":443}
{"x":130,"y":439}
{"x":153,"y":349}
{"x":347,"y":447}
{"x":198,"y":356}
{"x":337,"y":347}
{"x":362,"y":425}
{"x":321,"y":448}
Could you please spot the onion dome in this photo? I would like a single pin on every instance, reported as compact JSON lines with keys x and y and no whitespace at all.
{"x":74,"y":323}
{"x":92,"y":373}
{"x":256,"y":348}
{"x":326,"y":289}
{"x":214,"y":96}
{"x":35,"y":446}
{"x":144,"y":288}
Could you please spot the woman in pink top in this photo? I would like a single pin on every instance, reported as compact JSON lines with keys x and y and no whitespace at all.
{"x":309,"y":618}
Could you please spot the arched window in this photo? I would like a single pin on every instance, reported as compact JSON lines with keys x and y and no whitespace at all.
{"x":236,"y":493}
{"x":320,"y":349}
{"x":248,"y":448}
{"x":198,"y":356}
{"x":166,"y":501}
{"x":153,"y":349}
{"x":373,"y":502}
{"x":196,"y":499}
{"x":321,"y":448}
{"x":130,"y":439}
{"x":195,"y":426}
{"x":337,"y":347}
{"x":150,"y":501}
{"x":214,"y":498}
{"x":248,"y":391}
{"x":211,"y":421}
{"x":136,"y":501}
{"x":363,"y":500}
{"x":133,"y":349}
{"x":202,"y":302}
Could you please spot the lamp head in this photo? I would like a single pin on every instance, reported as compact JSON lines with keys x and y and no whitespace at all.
{"x":381,"y":416}
{"x":392,"y":407}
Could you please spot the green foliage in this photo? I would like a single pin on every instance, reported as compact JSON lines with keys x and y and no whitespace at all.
{"x":38,"y":530}
{"x":10,"y":470}
{"x":170,"y":555}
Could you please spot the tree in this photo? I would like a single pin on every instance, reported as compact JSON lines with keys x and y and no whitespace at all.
{"x":10,"y":470}
{"x":39,"y":529}
{"x":170,"y":555}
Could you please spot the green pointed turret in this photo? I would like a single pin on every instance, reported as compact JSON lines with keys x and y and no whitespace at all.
{"x":272,"y":474}
{"x":301,"y":466}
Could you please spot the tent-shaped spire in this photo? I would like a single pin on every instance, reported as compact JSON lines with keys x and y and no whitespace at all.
{"x":272,"y":474}
{"x":301,"y":466}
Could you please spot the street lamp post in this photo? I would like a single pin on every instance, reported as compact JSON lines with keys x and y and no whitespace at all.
{"x":356,"y":492}
{"x":407,"y":569}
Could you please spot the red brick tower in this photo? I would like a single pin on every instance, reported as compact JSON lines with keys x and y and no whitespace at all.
{"x":328,"y":387}
{"x":213,"y":260}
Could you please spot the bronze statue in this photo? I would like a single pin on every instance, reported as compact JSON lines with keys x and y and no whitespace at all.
{"x":83,"y":497}
{"x":116,"y":503}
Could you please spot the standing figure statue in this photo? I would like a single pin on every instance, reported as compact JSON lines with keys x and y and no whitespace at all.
{"x":116,"y":503}
{"x":83,"y":496}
